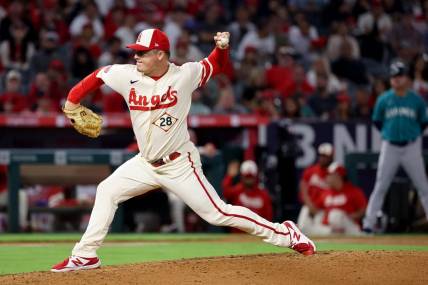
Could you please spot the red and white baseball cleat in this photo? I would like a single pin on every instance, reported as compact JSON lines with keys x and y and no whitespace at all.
{"x":73,"y":263}
{"x":298,"y":241}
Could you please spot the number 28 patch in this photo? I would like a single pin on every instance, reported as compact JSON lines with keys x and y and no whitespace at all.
{"x":165,"y":121}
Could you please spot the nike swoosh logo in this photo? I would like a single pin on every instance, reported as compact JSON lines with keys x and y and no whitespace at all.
{"x":133,"y":81}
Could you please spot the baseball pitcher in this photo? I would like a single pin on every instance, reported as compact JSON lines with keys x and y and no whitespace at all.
{"x":400,"y":115}
{"x":158,"y":95}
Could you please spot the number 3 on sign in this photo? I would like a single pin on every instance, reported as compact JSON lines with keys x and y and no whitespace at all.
{"x":165,"y":121}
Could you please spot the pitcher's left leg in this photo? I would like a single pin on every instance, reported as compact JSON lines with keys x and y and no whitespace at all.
{"x":198,"y":194}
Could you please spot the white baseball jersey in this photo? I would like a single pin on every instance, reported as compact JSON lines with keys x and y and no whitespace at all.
{"x":158,"y":108}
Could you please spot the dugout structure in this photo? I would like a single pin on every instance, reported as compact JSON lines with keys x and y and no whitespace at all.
{"x":361,"y":160}
{"x":356,"y":160}
{"x":82,"y":161}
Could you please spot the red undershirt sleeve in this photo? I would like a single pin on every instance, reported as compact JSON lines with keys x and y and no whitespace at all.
{"x":85,"y":86}
{"x":219,"y":58}
{"x":214,"y":64}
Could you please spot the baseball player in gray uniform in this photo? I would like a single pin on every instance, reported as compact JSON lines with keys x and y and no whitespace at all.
{"x":400,"y":115}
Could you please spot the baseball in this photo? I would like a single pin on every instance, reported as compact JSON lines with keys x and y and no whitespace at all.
{"x":224,"y":41}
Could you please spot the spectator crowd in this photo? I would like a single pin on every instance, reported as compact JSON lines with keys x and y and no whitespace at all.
{"x":323,"y":59}
{"x":291,"y":59}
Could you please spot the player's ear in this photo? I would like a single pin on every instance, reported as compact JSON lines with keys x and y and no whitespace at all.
{"x":160,"y":55}
{"x":163,"y":54}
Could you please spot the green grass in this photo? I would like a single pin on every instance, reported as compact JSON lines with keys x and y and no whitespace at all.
{"x":111,"y":237}
{"x":30,"y":256}
{"x":42,"y":257}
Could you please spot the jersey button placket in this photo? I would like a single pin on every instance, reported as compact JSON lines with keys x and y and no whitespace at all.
{"x":149,"y":132}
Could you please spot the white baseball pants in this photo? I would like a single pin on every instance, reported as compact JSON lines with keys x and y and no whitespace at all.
{"x":182,"y":176}
{"x":338,"y":221}
{"x":312,"y":225}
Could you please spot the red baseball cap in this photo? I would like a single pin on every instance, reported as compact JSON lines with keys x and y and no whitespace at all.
{"x":337,"y":168}
{"x":151,"y":39}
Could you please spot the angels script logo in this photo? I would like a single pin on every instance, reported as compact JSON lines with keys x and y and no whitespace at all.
{"x":145,"y":103}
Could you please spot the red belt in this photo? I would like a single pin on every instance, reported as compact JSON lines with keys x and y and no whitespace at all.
{"x":164,"y":160}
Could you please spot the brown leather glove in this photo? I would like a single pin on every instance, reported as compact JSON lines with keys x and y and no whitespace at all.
{"x":85,"y":121}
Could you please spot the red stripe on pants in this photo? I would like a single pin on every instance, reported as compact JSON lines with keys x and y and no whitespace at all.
{"x":226,"y":214}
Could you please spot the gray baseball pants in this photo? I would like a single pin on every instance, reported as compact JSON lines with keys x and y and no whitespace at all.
{"x":391,"y":157}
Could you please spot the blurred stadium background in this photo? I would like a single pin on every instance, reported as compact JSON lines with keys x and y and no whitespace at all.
{"x":304,"y":73}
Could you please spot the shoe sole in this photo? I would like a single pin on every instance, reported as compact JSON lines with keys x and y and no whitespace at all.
{"x":68,"y":269}
{"x":311,"y":251}
{"x":308,"y":252}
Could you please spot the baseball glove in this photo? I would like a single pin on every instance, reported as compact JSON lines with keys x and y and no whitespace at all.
{"x":85,"y":121}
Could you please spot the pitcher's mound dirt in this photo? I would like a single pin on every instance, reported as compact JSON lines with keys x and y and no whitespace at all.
{"x":339,"y":267}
